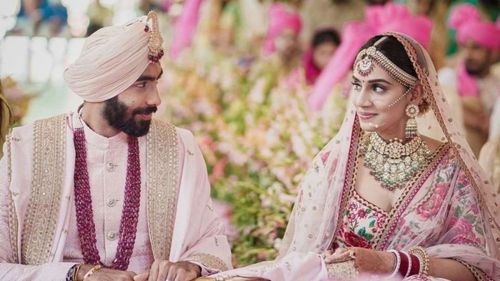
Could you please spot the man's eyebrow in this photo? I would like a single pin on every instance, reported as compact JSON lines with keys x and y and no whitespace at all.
{"x":149,"y":77}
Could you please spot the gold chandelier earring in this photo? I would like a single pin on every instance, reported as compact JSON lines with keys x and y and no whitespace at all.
{"x":411,"y":125}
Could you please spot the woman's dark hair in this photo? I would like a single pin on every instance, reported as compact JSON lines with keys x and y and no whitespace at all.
{"x":396,"y":53}
{"x":328,"y":35}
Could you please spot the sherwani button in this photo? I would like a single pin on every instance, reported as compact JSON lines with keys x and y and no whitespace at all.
{"x":112,"y":235}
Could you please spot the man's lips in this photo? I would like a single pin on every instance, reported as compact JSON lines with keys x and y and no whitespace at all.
{"x":145,"y":116}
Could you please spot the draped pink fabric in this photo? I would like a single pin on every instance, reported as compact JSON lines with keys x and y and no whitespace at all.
{"x":466,"y":20}
{"x":378,"y":19}
{"x":467,"y":84}
{"x":185,"y":27}
{"x":281,"y":18}
{"x":312,"y":72}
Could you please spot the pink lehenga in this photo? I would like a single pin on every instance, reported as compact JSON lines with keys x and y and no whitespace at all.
{"x":450,"y":208}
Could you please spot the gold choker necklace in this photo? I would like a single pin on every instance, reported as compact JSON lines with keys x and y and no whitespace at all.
{"x":394,"y":163}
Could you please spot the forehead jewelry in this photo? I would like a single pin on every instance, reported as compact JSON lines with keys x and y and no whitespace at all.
{"x":365,"y":60}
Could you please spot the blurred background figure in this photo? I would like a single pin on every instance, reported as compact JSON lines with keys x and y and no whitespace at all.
{"x":43,"y":17}
{"x":323,"y":45}
{"x":472,"y":79}
{"x":99,"y":16}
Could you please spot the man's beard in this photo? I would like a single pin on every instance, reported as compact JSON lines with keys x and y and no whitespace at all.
{"x":474,"y":70}
{"x":115,"y":112}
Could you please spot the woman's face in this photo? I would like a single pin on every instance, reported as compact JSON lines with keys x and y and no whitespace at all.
{"x":322,"y":54}
{"x":374,"y":97}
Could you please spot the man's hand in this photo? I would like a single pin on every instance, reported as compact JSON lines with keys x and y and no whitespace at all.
{"x":163,"y":270}
{"x":105,"y":274}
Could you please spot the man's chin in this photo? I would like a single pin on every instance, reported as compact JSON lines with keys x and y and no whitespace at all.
{"x":138,"y":130}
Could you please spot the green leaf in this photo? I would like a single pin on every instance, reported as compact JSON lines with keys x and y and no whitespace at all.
{"x":372,"y":223}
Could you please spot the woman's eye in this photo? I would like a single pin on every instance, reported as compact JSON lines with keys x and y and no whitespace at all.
{"x":356,"y":86}
{"x":378,"y":89}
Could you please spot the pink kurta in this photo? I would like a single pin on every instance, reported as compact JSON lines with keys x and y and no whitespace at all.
{"x":198,"y":235}
{"x":107,"y":165}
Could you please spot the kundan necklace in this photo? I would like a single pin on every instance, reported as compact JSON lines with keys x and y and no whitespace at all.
{"x":393,"y":163}
{"x":84,"y":212}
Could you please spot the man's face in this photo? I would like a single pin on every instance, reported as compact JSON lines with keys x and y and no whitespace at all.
{"x":286,"y":43}
{"x":132,"y":110}
{"x":477,"y":59}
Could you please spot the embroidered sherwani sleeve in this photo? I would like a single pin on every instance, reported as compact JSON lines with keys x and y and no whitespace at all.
{"x":208,"y":246}
{"x":10,"y":268}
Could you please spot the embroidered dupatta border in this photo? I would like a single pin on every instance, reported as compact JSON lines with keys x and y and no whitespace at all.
{"x":162,"y":192}
{"x":49,"y":155}
{"x":411,"y":189}
{"x":349,"y":174}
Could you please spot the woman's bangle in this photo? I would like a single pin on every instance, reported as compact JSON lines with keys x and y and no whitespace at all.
{"x":404,"y":269}
{"x":423,"y":257}
{"x":92,"y":271}
{"x":397,"y":263}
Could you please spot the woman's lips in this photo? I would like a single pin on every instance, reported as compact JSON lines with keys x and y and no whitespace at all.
{"x":365,"y":115}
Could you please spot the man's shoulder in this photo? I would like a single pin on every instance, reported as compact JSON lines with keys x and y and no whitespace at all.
{"x":181,"y":132}
{"x":27,"y":129}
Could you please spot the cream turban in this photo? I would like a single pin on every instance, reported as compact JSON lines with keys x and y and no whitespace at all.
{"x":113,"y":58}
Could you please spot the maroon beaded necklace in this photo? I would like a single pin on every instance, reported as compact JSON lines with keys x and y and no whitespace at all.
{"x":84,"y":212}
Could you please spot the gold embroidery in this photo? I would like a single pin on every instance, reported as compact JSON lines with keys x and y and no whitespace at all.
{"x":342,"y":271}
{"x":478,"y":274}
{"x":49,"y":151}
{"x":162,"y":171}
{"x":209,"y":261}
{"x":13,"y":229}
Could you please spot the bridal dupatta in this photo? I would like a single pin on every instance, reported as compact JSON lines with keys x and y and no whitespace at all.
{"x":451,"y":208}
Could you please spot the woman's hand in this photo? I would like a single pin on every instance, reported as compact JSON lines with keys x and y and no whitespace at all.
{"x":365,"y":260}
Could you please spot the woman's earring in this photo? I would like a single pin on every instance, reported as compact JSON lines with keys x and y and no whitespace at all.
{"x":411,"y":125}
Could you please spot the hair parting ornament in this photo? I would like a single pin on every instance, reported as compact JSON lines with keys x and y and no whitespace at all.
{"x":365,"y":62}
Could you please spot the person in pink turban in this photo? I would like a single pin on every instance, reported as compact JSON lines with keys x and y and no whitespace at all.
{"x":473,"y":80}
{"x":108,"y":192}
{"x":283,"y":31}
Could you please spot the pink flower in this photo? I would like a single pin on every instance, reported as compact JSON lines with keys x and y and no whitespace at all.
{"x":361,"y":213}
{"x":462,"y":226}
{"x":431,"y":207}
{"x":463,"y":232}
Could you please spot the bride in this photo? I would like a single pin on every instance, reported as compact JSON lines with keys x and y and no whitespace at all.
{"x":382,"y":201}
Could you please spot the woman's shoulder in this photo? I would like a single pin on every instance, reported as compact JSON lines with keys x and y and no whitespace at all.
{"x":442,"y":154}
{"x":433,"y":144}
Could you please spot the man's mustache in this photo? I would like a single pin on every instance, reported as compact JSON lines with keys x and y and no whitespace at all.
{"x":146,"y":110}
